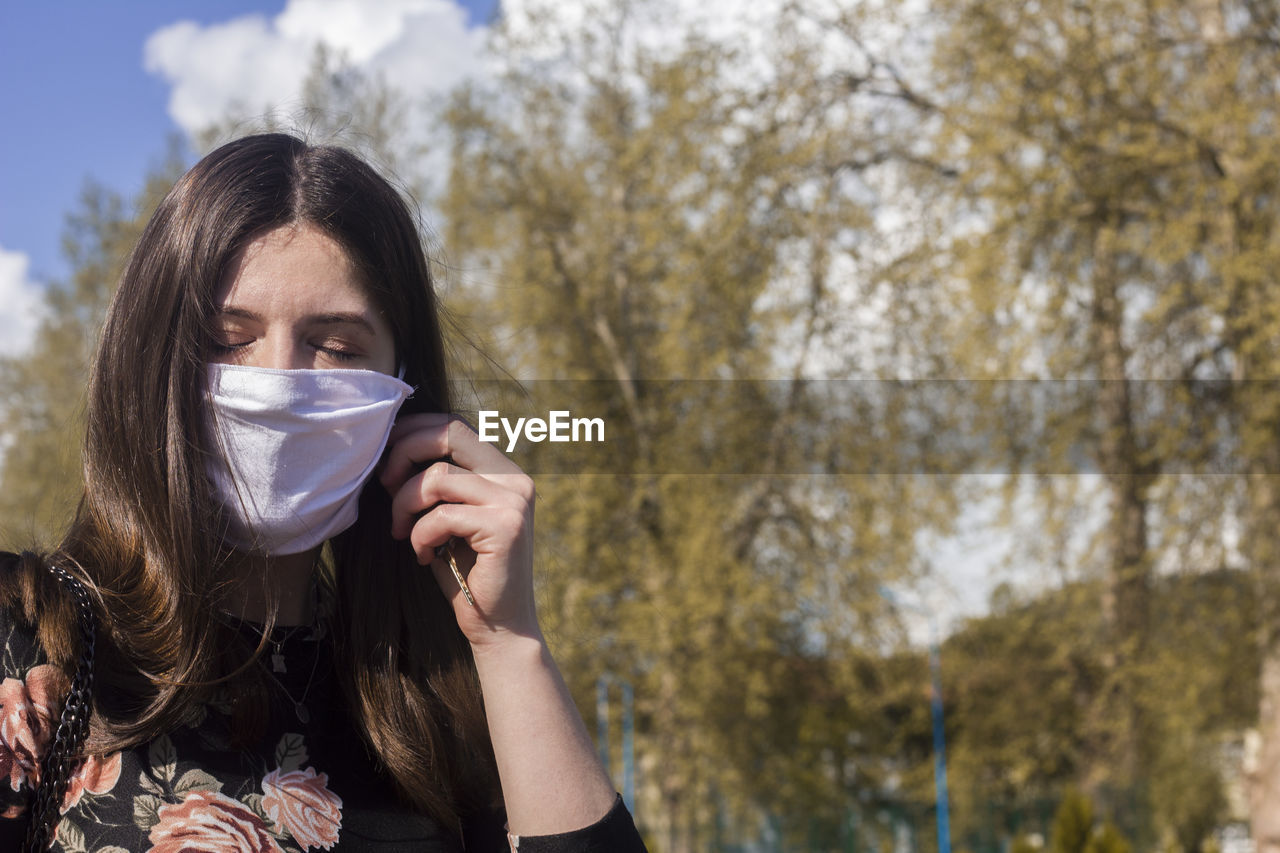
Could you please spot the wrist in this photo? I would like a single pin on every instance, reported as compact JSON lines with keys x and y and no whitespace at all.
{"x":509,"y":647}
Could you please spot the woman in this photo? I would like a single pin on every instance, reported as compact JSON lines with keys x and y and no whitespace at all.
{"x":255,"y":688}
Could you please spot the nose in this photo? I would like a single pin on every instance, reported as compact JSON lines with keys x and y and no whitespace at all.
{"x":282,"y":351}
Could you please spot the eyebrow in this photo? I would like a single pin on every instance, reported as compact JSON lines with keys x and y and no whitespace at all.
{"x":327,"y":319}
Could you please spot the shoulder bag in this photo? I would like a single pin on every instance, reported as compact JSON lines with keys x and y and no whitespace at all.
{"x":63,"y":754}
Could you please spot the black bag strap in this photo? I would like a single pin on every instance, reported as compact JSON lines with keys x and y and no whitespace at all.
{"x":63,"y":754}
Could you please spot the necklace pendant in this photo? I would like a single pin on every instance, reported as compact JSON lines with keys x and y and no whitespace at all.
{"x":277,"y":662}
{"x":304,"y":716}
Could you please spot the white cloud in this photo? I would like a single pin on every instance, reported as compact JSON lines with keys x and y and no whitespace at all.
{"x":348,"y":25}
{"x":242,"y":66}
{"x":251,"y":66}
{"x":21,"y":303}
{"x":658,"y":28}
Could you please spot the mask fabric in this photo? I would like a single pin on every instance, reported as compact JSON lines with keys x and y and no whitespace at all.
{"x":297,"y":447}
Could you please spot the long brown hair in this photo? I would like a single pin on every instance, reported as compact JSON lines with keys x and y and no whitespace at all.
{"x":147,"y":535}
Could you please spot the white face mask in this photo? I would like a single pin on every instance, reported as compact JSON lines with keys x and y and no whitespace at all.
{"x":298,"y":447}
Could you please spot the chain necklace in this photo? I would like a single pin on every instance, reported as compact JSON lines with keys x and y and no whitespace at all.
{"x":278,"y":659}
{"x":299,"y":709}
{"x":277,"y":656}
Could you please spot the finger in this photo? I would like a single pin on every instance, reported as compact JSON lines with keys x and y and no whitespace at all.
{"x":417,"y":453}
{"x":445,"y":483}
{"x":427,"y":441}
{"x":454,"y":587}
{"x":445,"y":556}
{"x":400,"y":465}
{"x":481,"y":527}
{"x":408,"y":423}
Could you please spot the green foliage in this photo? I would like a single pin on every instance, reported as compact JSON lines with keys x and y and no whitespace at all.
{"x":1074,"y":829}
{"x":1025,"y":844}
{"x":1107,"y":839}
{"x":1018,"y":685}
{"x":1072,"y":824}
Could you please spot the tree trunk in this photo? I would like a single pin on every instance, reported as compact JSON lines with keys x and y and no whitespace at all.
{"x":1126,"y":600}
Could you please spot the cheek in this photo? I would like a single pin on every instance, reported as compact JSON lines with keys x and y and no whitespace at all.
{"x":389,"y":358}
{"x":387,"y":353}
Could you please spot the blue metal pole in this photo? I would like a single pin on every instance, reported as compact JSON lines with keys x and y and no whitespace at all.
{"x":939,"y":747}
{"x":935,"y":711}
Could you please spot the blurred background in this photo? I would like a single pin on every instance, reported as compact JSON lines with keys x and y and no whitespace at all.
{"x":936,"y":342}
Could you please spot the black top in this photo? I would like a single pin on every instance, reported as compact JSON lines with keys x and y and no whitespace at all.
{"x":309,"y":784}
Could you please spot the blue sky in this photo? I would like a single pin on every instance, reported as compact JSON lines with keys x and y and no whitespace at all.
{"x":80,"y":105}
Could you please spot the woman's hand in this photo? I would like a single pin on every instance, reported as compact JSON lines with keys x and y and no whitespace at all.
{"x":482,"y":501}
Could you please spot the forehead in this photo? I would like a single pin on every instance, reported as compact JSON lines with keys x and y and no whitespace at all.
{"x":293,"y":265}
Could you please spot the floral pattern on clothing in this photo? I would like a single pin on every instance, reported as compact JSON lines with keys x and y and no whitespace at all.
{"x":209,"y":822}
{"x":300,"y":803}
{"x":97,"y":775}
{"x":189,"y":810}
{"x":304,"y":786}
{"x":26,"y":722}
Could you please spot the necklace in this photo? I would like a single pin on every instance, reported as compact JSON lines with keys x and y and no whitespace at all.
{"x":299,"y":709}
{"x":277,"y":656}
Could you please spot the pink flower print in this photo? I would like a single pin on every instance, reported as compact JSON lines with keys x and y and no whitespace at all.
{"x":96,"y":774}
{"x":26,"y":722}
{"x":209,"y":822}
{"x":301,"y":803}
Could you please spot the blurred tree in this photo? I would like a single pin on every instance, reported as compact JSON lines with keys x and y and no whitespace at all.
{"x":1060,"y":183}
{"x":653,"y":231}
{"x":1108,"y":839}
{"x":1116,"y":166}
{"x":344,"y":105}
{"x":43,"y":389}
{"x":1072,"y":824}
{"x":1232,"y":115}
{"x":1020,"y":683}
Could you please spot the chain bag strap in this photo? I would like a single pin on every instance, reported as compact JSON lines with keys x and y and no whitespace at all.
{"x":63,"y":754}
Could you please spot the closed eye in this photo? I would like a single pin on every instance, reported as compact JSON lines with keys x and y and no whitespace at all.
{"x":339,"y":354}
